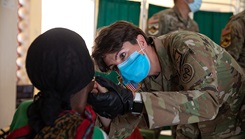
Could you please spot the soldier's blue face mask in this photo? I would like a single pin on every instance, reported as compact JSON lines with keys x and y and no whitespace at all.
{"x":195,"y":6}
{"x":135,"y":68}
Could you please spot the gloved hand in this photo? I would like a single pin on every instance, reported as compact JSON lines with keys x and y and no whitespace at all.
{"x":117,"y":101}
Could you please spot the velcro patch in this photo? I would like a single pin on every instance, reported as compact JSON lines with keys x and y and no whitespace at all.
{"x":133,"y":87}
{"x":187,"y":73}
{"x":153,"y":19}
{"x":153,"y":25}
{"x":226,"y":30}
{"x":225,"y":40}
{"x":153,"y":29}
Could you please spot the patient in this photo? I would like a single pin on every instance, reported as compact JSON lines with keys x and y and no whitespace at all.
{"x":59,"y":65}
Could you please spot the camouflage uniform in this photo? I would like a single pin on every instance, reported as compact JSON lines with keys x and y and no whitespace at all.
{"x":233,"y":37}
{"x":203,"y":86}
{"x":169,"y":20}
{"x":200,"y":90}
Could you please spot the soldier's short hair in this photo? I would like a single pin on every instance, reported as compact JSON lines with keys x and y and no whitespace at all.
{"x":110,"y":39}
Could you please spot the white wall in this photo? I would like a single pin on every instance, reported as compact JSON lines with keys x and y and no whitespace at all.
{"x":8,"y":45}
{"x":77,"y":15}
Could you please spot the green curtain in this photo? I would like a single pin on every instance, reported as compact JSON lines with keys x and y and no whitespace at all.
{"x":111,"y":75}
{"x":113,"y":10}
{"x":154,"y":9}
{"x":210,"y":23}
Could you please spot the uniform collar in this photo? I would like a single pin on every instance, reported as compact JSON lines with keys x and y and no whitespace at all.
{"x":162,"y":80}
{"x":177,"y":12}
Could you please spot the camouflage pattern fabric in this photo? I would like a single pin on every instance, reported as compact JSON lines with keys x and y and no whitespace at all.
{"x":123,"y":125}
{"x":233,"y":37}
{"x":169,"y":20}
{"x":200,"y":89}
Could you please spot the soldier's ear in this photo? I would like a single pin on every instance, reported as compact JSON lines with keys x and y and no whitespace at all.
{"x":141,"y":40}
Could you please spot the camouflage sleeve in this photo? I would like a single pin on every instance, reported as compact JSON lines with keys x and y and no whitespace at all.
{"x":237,"y":39}
{"x":192,"y":25}
{"x":123,"y":126}
{"x":193,"y":58}
{"x":196,"y":27}
{"x":156,"y":25}
{"x":164,"y":24}
{"x":171,"y":108}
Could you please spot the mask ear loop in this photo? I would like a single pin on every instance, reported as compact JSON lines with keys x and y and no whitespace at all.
{"x":141,"y":48}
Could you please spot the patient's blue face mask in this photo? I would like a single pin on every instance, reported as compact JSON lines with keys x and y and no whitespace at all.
{"x":135,"y":68}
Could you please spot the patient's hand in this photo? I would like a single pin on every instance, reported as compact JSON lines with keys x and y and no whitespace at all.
{"x":98,"y":88}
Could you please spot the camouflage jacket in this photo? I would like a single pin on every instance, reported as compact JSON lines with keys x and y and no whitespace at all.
{"x":200,"y":89}
{"x":233,"y":37}
{"x":169,"y":20}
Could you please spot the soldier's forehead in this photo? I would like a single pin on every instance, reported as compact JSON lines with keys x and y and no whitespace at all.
{"x":109,"y":58}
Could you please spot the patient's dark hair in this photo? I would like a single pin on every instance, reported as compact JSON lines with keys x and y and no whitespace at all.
{"x":59,"y":65}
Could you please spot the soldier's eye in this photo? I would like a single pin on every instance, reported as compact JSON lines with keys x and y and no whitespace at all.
{"x":122,"y":55}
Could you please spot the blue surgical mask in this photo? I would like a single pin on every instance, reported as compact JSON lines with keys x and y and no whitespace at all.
{"x":135,"y":68}
{"x":195,"y":6}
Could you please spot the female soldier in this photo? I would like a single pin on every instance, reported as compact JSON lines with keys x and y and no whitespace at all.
{"x":187,"y":80}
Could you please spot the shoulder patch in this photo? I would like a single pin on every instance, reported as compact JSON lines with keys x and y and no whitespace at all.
{"x":187,"y":72}
{"x":154,"y":19}
{"x":226,"y":30}
{"x":225,"y":40}
{"x":153,"y":29}
{"x":134,"y":87}
{"x":153,"y":25}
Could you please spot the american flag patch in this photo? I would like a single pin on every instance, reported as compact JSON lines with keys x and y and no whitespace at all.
{"x":133,"y":87}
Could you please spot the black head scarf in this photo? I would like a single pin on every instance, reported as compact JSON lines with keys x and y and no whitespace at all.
{"x":58,"y":64}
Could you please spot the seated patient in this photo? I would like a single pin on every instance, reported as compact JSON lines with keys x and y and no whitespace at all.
{"x":59,"y":65}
